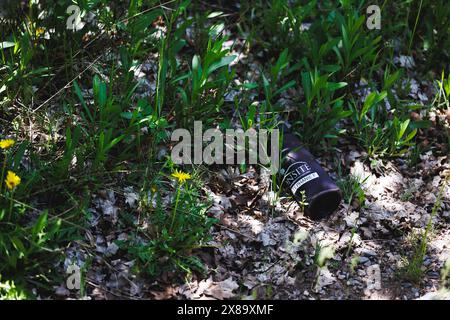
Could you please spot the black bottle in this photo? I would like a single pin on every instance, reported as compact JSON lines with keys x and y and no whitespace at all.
{"x":301,"y":172}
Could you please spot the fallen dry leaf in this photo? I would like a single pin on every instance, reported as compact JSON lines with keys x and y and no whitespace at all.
{"x":223,"y":289}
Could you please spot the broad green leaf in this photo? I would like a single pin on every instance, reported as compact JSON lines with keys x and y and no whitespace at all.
{"x":411,"y":135}
{"x":422,"y":124}
{"x":214,"y":14}
{"x":141,"y":22}
{"x":391,"y":79}
{"x":18,"y":244}
{"x":195,"y":62}
{"x":250,"y":85}
{"x":403,"y":127}
{"x":333,"y":86}
{"x":40,"y":224}
{"x":288,"y":85}
{"x":225,"y":61}
{"x":99,"y":91}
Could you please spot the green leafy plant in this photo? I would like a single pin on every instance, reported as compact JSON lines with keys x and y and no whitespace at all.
{"x":20,"y":243}
{"x":414,"y":269}
{"x":9,"y":291}
{"x":352,"y":189}
{"x":356,"y":48}
{"x":442,"y":98}
{"x":378,"y":134}
{"x":201,"y":91}
{"x":102,"y":121}
{"x":168,"y":244}
{"x":321,"y":112}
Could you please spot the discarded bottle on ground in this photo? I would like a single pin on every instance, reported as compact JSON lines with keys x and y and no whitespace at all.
{"x":301,"y":172}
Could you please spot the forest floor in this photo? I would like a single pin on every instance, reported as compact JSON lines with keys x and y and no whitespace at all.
{"x":86,"y":115}
{"x":264,"y":247}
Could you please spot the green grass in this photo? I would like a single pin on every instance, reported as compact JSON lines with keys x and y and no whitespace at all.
{"x":414,"y":270}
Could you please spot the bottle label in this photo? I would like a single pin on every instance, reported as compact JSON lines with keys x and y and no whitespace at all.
{"x":299,"y":173}
{"x":303,"y":180}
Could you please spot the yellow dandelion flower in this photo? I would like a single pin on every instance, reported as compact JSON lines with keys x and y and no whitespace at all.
{"x":6,"y":143}
{"x":12,"y":180}
{"x":181,"y":176}
{"x":39,"y":31}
